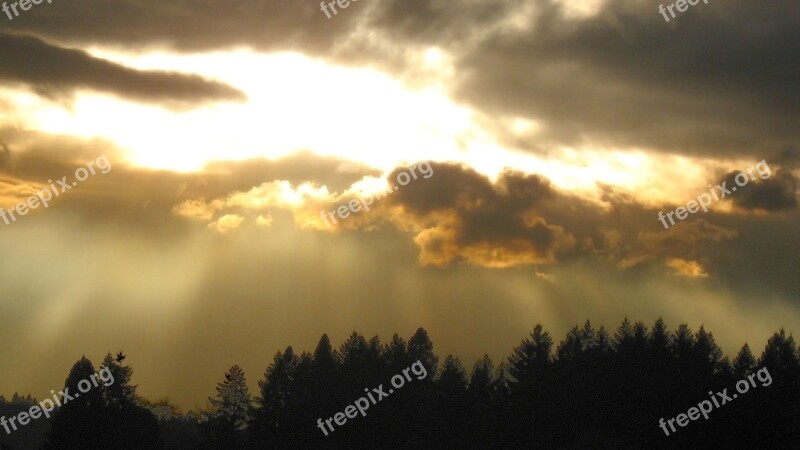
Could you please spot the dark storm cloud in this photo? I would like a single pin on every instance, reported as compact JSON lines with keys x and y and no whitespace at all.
{"x":55,"y":71}
{"x":719,"y":78}
{"x":520,"y":219}
{"x":439,"y":21}
{"x":191,"y":26}
{"x":464,"y":217}
{"x":776,"y":193}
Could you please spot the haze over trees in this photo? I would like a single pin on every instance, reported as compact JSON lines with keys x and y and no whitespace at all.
{"x":594,"y":389}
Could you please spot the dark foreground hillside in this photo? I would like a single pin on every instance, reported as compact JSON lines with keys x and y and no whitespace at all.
{"x":591,"y":391}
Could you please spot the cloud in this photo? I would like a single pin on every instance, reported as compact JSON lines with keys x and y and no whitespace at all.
{"x":278,"y":193}
{"x":718,"y":80}
{"x":458,"y":216}
{"x":691,"y":269}
{"x":197,"y":209}
{"x":154,"y":201}
{"x":226,"y":223}
{"x":264,"y":221}
{"x":455,"y":217}
{"x":626,"y":78}
{"x":56,"y":72}
{"x":464,"y":217}
{"x":263,"y":25}
{"x":776,"y":193}
{"x":686,"y":240}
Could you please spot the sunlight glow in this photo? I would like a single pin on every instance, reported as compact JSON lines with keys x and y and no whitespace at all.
{"x":296,"y":103}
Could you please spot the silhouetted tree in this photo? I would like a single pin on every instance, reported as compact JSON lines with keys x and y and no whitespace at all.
{"x":531,"y":358}
{"x":592,"y":392}
{"x":420,"y":348}
{"x":530,"y":403}
{"x":272,"y":420}
{"x":230,"y":412}
{"x":105,"y":416}
{"x":778,"y":412}
{"x":745,"y":362}
{"x":120,"y":392}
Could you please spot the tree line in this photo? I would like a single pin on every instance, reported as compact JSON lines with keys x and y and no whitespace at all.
{"x":592,"y":390}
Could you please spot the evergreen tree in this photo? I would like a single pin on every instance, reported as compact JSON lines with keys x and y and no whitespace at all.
{"x":272,"y":420}
{"x":779,"y":417}
{"x":79,"y":421}
{"x":572,"y":345}
{"x":706,"y":354}
{"x":530,"y":369}
{"x":683,"y":342}
{"x":602,"y":342}
{"x":325,"y":379}
{"x":420,"y":348}
{"x":481,"y":378}
{"x":451,"y":406}
{"x":660,"y":344}
{"x":624,"y":335}
{"x":595,"y":392}
{"x":120,"y":392}
{"x":396,"y":354}
{"x":532,"y":357}
{"x":326,"y":360}
{"x":452,"y":378}
{"x":234,"y":402}
{"x":105,"y":416}
{"x":780,"y":355}
{"x":745,"y":362}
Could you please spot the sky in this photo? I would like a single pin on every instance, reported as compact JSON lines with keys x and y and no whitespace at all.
{"x":545,"y":137}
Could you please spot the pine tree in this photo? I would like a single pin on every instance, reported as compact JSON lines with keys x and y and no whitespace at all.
{"x":361,"y":362}
{"x":706,"y":354}
{"x":571,"y":347}
{"x":120,"y":392}
{"x":781,"y":353}
{"x":603,"y":340}
{"x":531,"y":357}
{"x":623,"y":335}
{"x":683,"y":342}
{"x":234,"y":401}
{"x":396,"y":354}
{"x":480,"y":380}
{"x":272,"y":419}
{"x":102,"y":417}
{"x":660,"y":343}
{"x":326,"y":360}
{"x":420,"y":348}
{"x":276,"y":386}
{"x":452,"y":377}
{"x":745,"y":362}
{"x":324,"y":378}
